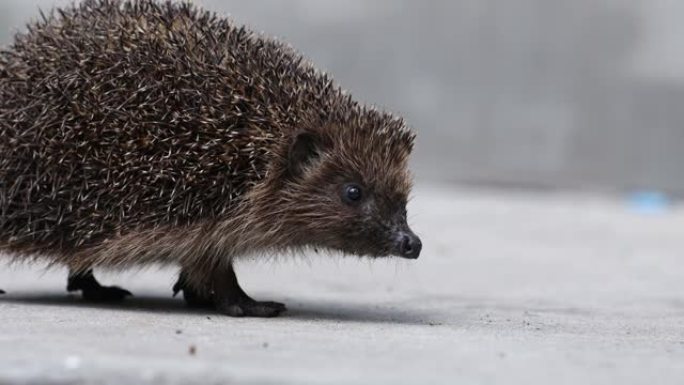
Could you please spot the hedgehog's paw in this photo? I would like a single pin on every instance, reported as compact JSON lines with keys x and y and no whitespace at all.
{"x":2,"y":291}
{"x":105,"y":294}
{"x":248,"y":307}
{"x":93,"y":291}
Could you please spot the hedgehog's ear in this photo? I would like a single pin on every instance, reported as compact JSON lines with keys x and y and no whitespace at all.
{"x":305,"y":150}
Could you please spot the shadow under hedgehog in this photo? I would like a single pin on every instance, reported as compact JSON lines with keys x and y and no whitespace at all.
{"x":146,"y":132}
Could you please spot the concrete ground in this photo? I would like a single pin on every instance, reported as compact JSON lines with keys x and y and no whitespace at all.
{"x":512,"y":287}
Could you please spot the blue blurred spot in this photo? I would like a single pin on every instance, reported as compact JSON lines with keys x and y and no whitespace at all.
{"x":649,"y":202}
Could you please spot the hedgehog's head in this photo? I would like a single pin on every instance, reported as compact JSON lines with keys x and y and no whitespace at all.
{"x":347,"y":186}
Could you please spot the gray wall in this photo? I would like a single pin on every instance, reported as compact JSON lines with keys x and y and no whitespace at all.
{"x":569,"y":93}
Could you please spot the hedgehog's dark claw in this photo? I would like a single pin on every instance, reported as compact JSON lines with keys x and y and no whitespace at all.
{"x":92,"y":290}
{"x":177,"y":287}
{"x":2,"y":291}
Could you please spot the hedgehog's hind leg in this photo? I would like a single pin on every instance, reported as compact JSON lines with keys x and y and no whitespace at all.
{"x":230,"y":299}
{"x":92,"y":290}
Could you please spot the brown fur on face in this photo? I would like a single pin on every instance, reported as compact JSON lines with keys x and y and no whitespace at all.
{"x":369,"y":150}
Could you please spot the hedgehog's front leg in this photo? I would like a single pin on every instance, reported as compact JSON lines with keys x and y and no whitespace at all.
{"x":230,"y":299}
{"x":193,"y":297}
{"x":92,"y":290}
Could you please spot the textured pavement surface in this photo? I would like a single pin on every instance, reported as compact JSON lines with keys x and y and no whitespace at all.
{"x":512,"y":287}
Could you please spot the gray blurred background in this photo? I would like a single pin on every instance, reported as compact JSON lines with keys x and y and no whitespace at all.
{"x":582,"y":94}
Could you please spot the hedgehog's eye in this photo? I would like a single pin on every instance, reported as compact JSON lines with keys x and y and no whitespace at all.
{"x":352,"y":193}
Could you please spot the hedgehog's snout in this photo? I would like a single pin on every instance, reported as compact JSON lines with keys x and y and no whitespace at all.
{"x":407,"y":244}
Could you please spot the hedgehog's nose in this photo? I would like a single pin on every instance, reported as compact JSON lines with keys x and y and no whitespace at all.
{"x":409,"y":245}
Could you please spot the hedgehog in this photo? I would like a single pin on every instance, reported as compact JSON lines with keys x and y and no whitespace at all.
{"x":137,"y":133}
